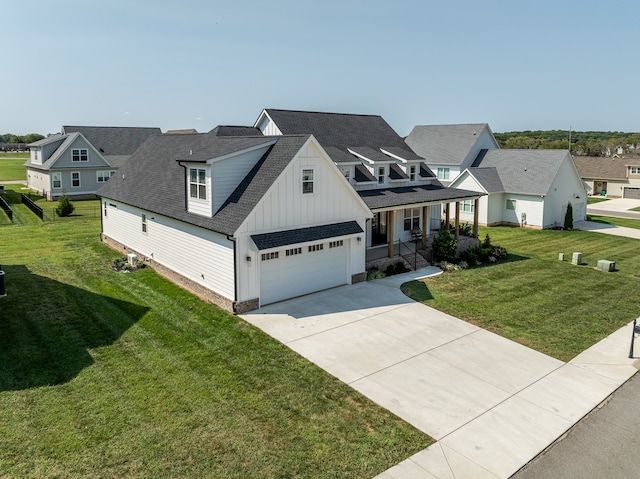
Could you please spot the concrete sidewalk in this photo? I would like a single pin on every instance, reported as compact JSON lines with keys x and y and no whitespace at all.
{"x":491,"y":403}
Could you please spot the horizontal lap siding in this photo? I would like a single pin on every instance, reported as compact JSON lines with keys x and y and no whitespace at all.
{"x":203,"y":256}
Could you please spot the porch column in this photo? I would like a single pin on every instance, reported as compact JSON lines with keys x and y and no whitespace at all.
{"x":476,"y":207}
{"x":390,"y":220}
{"x":447,"y":216}
{"x":457,"y":220}
{"x":425,"y":226}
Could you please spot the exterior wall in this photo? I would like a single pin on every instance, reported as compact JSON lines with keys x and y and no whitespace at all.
{"x":203,"y":257}
{"x":49,"y":149}
{"x":531,"y":206}
{"x":38,"y":180}
{"x":615,"y":188}
{"x":268,"y":127}
{"x":285,"y":207}
{"x":566,"y":187}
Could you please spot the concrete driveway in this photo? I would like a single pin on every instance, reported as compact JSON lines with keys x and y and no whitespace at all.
{"x":491,"y":403}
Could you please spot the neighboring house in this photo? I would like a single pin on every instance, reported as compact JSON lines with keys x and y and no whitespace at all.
{"x":241,"y":220}
{"x":529,"y":188}
{"x":247,"y":216}
{"x":81,"y":159}
{"x":616,"y":177}
{"x":396,"y":184}
{"x":449,"y":149}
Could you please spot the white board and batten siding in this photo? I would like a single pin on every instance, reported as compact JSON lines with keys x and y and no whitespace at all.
{"x":203,"y":256}
{"x":285,"y":207}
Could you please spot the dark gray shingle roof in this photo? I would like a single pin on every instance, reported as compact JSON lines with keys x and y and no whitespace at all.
{"x":392,"y":197}
{"x":305,"y":235}
{"x":153,"y":179}
{"x":114,"y":140}
{"x":224,"y":130}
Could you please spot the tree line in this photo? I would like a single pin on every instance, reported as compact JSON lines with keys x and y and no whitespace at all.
{"x":11,"y":138}
{"x":583,"y":143}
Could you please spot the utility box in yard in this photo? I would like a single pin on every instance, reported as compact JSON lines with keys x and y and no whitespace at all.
{"x":576,"y":258}
{"x":605,"y":265}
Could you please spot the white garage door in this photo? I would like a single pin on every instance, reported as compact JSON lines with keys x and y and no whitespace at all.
{"x":304,"y":270}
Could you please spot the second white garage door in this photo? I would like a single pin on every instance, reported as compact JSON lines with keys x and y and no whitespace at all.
{"x":304,"y":270}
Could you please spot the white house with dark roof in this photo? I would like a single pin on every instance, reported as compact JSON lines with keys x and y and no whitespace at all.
{"x":449,"y":149}
{"x":81,"y":159}
{"x":530,"y":188}
{"x":241,"y":220}
{"x":396,"y":184}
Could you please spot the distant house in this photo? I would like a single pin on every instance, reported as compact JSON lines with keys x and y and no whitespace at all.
{"x":613,"y":177}
{"x":246,"y":216}
{"x":449,"y":149}
{"x":81,"y":159}
{"x":530,"y":188}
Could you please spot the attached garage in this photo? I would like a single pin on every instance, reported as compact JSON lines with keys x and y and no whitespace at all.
{"x":632,"y":193}
{"x":317,"y":260}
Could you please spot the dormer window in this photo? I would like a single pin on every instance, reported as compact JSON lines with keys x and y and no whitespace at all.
{"x":381,"y":174}
{"x":198,"y":183}
{"x":412,"y":172}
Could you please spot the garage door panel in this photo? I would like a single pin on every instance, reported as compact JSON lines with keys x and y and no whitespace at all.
{"x":290,"y":276}
{"x":633,"y":193}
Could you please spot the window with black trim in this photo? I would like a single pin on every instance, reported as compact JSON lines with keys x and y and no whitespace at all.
{"x":75,"y":179}
{"x":79,"y":154}
{"x":307,"y":181}
{"x":198,"y":183}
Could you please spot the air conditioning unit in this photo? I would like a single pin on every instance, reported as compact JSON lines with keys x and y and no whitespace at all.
{"x":132,"y":259}
{"x":605,"y":265}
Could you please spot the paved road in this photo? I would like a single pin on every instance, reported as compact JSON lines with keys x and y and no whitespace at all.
{"x":605,"y":444}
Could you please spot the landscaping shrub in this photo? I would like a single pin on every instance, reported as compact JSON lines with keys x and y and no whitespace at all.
{"x":400,"y":267}
{"x":568,"y":217}
{"x":391,"y":269}
{"x":65,"y":207}
{"x":444,"y":247}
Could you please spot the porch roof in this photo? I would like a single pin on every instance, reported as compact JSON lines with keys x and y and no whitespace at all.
{"x":305,"y":235}
{"x":411,"y":195}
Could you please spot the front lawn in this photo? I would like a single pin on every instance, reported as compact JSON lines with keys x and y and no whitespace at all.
{"x":549,"y":305}
{"x":595,"y":199}
{"x":106,"y":374}
{"x":611,"y":220}
{"x":12,"y":169}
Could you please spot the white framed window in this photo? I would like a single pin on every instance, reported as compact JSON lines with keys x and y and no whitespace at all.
{"x":293,"y":251}
{"x":443,"y":173}
{"x":411,"y":219}
{"x":336,"y":244}
{"x":268,"y":256}
{"x":79,"y":154}
{"x":635,"y":170}
{"x":307,"y":181}
{"x":75,"y":179}
{"x":511,"y":205}
{"x":144,"y":222}
{"x":468,"y":206}
{"x":198,"y":183}
{"x":381,"y":174}
{"x":56,"y":179}
{"x":412,"y":172}
{"x":105,"y":209}
{"x":104,"y":175}
{"x":35,"y":157}
{"x":316,"y":247}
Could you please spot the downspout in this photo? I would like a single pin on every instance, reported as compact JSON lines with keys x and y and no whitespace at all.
{"x":235,"y":272}
{"x":186,"y":186}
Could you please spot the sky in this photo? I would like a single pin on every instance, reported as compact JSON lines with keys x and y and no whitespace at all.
{"x":516,"y":65}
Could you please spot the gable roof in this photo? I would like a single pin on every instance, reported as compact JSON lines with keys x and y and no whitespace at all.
{"x":529,"y":172}
{"x":114,"y":143}
{"x":65,"y":141}
{"x":225,"y":130}
{"x":445,"y":144}
{"x":154,"y":179}
{"x":603,"y":168}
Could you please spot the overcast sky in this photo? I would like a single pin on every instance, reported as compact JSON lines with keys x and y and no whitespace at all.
{"x":545,"y":64}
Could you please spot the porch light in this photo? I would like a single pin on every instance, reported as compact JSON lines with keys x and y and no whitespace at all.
{"x":248,"y":258}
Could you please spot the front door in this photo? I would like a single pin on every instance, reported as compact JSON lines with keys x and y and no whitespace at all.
{"x":379,"y":229}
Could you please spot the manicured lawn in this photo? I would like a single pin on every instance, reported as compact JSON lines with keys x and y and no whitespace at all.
{"x":535,"y":299}
{"x":12,"y":168}
{"x":105,"y":374}
{"x":637,"y":208}
{"x":610,"y":220}
{"x":595,"y":199}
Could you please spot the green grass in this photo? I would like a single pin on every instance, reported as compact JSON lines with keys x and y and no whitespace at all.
{"x":554,"y":307}
{"x":104,"y":374}
{"x":637,"y":208}
{"x":610,"y":220}
{"x":12,"y":169}
{"x":595,"y":199}
{"x":24,"y":155}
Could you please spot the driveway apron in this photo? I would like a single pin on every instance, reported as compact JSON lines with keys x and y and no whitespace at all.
{"x":491,"y":403}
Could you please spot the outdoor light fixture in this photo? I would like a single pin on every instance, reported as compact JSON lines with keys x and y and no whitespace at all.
{"x":359,"y":239}
{"x":248,"y":258}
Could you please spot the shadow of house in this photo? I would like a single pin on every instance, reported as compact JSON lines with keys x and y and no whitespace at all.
{"x":47,"y":329}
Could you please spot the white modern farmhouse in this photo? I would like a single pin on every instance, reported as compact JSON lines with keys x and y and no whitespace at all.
{"x":247,"y":216}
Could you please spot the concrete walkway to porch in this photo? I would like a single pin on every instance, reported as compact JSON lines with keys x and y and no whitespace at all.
{"x":491,"y":404}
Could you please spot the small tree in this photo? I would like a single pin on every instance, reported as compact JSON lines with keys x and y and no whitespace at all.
{"x":568,"y":217}
{"x":65,"y":207}
{"x":445,"y":246}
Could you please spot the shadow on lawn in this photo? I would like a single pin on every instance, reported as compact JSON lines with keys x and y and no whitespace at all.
{"x":47,"y":328}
